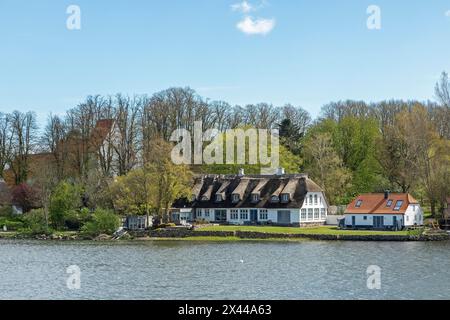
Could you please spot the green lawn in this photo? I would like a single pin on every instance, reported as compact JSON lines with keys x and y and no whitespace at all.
{"x":333,"y":230}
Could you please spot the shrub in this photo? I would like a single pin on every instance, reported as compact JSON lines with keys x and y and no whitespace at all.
{"x":11,"y":223}
{"x":103,"y":222}
{"x":65,"y":198}
{"x":35,"y":222}
{"x":75,"y":219}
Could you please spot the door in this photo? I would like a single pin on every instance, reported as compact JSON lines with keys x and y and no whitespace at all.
{"x":353,"y":221}
{"x":254,"y":215}
{"x":284,"y":217}
{"x":394,"y":222}
{"x":378,"y":222}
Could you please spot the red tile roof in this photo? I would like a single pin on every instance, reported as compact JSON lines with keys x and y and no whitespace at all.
{"x":375,"y":203}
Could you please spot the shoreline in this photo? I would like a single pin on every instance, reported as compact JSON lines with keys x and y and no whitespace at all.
{"x":226,"y":236}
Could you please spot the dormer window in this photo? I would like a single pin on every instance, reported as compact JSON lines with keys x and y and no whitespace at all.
{"x":398,"y":205}
{"x":358,"y":204}
{"x":204,"y":198}
{"x":285,"y":197}
{"x":389,"y":203}
{"x":236,"y":198}
{"x":275,"y":199}
{"x":255,"y":198}
{"x":193,"y":198}
{"x":218,"y":198}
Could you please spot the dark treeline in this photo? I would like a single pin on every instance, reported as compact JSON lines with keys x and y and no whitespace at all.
{"x":352,"y":147}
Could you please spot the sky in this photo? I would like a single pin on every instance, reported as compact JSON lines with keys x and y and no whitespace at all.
{"x":304,"y":52}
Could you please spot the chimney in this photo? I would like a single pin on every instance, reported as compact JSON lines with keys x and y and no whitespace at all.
{"x":386,"y":194}
{"x":280,"y":171}
{"x":241,"y":172}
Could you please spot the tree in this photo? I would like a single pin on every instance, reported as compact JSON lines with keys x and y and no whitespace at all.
{"x":23,"y":129}
{"x":442,"y":90}
{"x":428,"y":153}
{"x":24,"y":196}
{"x":135,"y":193}
{"x":326,"y":168}
{"x":6,"y":141}
{"x":65,"y":198}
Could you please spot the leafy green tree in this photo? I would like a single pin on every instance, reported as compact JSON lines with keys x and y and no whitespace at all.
{"x":65,"y":197}
{"x":326,"y":167}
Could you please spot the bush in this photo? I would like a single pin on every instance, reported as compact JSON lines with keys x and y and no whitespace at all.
{"x":75,"y":219}
{"x":65,"y":198}
{"x":35,"y":222}
{"x":11,"y":223}
{"x":103,"y":222}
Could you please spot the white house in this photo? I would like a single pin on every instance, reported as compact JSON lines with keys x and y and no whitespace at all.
{"x":383,"y":211}
{"x":279,"y":199}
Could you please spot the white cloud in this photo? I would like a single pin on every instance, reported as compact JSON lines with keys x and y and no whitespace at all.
{"x":256,"y":26}
{"x":243,"y":6}
{"x":447,"y":13}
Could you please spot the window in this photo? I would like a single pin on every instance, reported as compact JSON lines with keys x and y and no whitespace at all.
{"x":206,"y":212}
{"x":407,"y":218}
{"x":365,"y":218}
{"x":315,"y":199}
{"x":398,"y":205}
{"x":389,"y":203}
{"x":284,"y":197}
{"x":263,"y":214}
{"x":358,"y":204}
{"x":234,"y":214}
{"x":255,"y":198}
{"x":414,"y":208}
{"x":310,"y":214}
{"x":218,"y":198}
{"x":244,"y":214}
{"x":310,"y":199}
{"x":316,"y":214}
{"x":199,"y":213}
{"x":322,"y":213}
{"x":303,"y":216}
{"x":236,"y":198}
{"x":274,"y":199}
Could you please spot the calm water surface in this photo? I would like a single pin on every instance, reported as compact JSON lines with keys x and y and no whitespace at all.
{"x":243,"y":270}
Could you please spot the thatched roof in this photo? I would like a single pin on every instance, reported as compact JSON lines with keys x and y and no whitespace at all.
{"x":265,"y":186}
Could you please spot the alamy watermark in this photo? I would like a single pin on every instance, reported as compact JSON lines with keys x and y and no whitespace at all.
{"x":73,"y":21}
{"x":374,"y":277}
{"x":374,"y":19}
{"x":234,"y":146}
{"x":73,"y":282}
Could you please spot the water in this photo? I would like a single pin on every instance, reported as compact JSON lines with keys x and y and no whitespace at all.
{"x":242,"y":270}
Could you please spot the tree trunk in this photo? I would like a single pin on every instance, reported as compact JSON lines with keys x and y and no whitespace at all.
{"x":433,"y":208}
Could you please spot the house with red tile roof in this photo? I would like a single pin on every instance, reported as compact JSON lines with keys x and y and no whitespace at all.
{"x":394,"y":211}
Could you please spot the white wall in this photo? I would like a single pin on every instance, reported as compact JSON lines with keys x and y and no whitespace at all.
{"x":308,"y":204}
{"x":272,"y":214}
{"x":414,"y":215}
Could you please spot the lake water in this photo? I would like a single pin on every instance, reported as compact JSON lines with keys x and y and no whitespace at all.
{"x":241,"y":270}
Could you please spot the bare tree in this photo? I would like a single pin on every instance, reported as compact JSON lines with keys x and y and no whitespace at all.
{"x":442,"y":90}
{"x":23,"y":129}
{"x":6,"y":141}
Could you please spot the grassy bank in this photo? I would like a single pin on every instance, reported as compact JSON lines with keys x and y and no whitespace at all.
{"x":323,"y":230}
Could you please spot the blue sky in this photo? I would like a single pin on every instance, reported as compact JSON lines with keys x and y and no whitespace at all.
{"x":312,"y":52}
